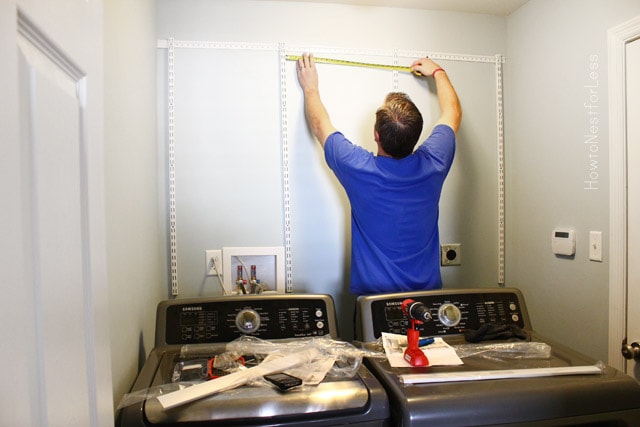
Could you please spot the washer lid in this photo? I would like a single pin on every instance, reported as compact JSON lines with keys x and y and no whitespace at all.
{"x":262,"y":404}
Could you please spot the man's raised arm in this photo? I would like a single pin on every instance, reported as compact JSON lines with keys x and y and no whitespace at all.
{"x":315,"y":111}
{"x":450,"y":110}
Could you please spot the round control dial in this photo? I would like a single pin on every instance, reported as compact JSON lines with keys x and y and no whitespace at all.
{"x":248,"y":321}
{"x":449,"y":315}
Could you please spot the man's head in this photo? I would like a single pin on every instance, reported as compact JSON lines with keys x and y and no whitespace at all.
{"x":398,"y":125}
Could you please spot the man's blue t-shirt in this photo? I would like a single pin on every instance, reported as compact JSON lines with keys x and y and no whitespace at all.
{"x":394,"y":212}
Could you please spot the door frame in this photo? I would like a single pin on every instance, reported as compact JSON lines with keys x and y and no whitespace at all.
{"x":618,"y":37}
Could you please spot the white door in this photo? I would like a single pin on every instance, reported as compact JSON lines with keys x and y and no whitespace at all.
{"x":55,"y":358}
{"x":633,"y":200}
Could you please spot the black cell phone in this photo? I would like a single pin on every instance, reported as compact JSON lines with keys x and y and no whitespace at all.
{"x":283,"y":381}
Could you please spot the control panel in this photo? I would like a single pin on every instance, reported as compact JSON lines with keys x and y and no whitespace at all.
{"x":226,"y":318}
{"x":451,"y":313}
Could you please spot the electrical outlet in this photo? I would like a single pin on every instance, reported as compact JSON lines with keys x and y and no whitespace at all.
{"x":213,"y":262}
{"x":450,"y":254}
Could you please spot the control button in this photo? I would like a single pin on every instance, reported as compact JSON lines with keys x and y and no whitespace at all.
{"x":248,"y":321}
{"x":515,"y":317}
{"x":512,"y":307}
{"x":449,"y":315}
{"x":319,"y":313}
{"x":320,"y":324}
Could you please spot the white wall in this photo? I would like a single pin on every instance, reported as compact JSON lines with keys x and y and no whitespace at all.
{"x":208,"y":217}
{"x":135,"y":247}
{"x":553,"y":46}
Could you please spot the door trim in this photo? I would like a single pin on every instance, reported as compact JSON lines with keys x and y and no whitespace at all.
{"x":618,"y":37}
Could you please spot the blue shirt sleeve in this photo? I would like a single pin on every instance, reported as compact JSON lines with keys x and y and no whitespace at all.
{"x":342,"y":155}
{"x":440,"y":146}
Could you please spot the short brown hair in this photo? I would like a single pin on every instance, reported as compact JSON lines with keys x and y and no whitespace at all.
{"x":399,"y":125}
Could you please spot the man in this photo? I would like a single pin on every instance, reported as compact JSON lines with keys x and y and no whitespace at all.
{"x":394,"y":195}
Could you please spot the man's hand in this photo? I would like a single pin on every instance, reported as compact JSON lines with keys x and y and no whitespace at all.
{"x":424,"y":66}
{"x":307,"y":72}
{"x":316,"y":113}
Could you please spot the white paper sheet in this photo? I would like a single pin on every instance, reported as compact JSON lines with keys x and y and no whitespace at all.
{"x":439,"y":353}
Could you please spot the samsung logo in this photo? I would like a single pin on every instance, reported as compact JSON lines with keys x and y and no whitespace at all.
{"x":192,"y":308}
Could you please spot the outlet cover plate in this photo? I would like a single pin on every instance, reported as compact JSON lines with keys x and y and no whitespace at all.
{"x":450,"y":254}
{"x":209,"y":256}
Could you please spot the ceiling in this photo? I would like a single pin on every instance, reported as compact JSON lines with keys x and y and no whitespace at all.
{"x":490,"y":7}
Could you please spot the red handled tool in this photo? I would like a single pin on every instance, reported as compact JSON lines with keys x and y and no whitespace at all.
{"x":417,"y":314}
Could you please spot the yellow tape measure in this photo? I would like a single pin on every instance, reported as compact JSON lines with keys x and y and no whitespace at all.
{"x":354,"y":63}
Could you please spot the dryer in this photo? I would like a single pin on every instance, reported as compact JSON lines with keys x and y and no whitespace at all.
{"x":487,"y":389}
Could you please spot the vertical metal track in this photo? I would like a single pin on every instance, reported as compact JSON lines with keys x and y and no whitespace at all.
{"x":172,"y":165}
{"x":286,"y":190}
{"x":501,"y":178}
{"x":396,"y":83}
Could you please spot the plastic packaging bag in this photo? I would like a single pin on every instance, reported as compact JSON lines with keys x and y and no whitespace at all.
{"x":345,"y":356}
{"x":332,"y":358}
{"x":148,"y":393}
{"x":505,"y":350}
{"x":207,"y":369}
